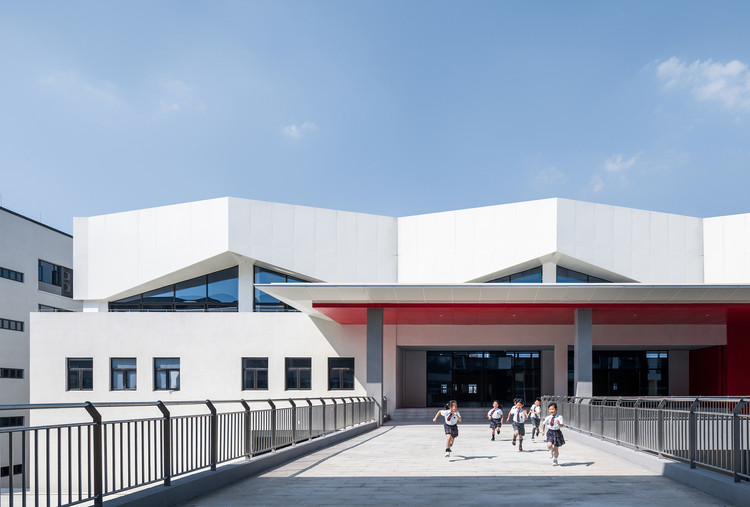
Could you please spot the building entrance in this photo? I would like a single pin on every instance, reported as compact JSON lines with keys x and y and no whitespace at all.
{"x":477,"y":378}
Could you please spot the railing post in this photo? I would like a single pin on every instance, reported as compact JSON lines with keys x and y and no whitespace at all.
{"x":294,"y":421}
{"x":167,"y":450}
{"x":309,"y":418}
{"x":660,"y":427}
{"x":273,"y":424}
{"x":98,"y":449}
{"x":335,"y":415}
{"x":636,"y":422}
{"x":214,"y":435}
{"x":736,"y":447}
{"x":353,"y":404}
{"x":602,"y":410}
{"x":693,"y":432}
{"x":248,"y":430}
{"x":617,"y":420}
{"x":323,"y":432}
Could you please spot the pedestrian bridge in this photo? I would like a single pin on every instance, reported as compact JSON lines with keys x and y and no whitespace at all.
{"x":405,"y":464}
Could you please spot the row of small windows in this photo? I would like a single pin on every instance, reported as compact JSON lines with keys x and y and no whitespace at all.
{"x":534,"y":275}
{"x":51,"y":309}
{"x":215,"y":292}
{"x":5,"y":471}
{"x":11,"y":275}
{"x":11,"y":325}
{"x":7,"y":422}
{"x":11,"y":373}
{"x":298,"y":373}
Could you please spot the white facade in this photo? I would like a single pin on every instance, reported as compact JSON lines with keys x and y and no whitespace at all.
{"x":368,"y":259}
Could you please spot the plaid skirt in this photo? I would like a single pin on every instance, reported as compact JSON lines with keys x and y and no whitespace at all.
{"x":495,"y":423}
{"x":451,"y":430}
{"x":556,"y":437}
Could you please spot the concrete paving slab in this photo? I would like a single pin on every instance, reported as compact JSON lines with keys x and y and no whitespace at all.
{"x":406,"y":465}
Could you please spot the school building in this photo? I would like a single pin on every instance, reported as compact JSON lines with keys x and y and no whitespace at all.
{"x":232,"y":298}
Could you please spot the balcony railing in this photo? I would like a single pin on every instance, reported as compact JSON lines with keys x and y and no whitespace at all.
{"x":71,"y":463}
{"x":712,"y":433}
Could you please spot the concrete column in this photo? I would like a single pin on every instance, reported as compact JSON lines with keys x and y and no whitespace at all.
{"x":582,"y":362}
{"x":245,"y":288}
{"x":561,"y":370}
{"x":375,"y":358}
{"x":549,"y":272}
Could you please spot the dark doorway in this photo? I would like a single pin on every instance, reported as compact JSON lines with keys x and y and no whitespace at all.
{"x":477,"y":378}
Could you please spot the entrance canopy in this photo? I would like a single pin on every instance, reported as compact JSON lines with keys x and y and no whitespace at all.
{"x":514,"y":304}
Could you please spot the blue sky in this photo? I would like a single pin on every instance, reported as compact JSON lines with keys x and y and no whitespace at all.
{"x":393,"y":108}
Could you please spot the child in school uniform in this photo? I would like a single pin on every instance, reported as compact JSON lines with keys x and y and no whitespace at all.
{"x":555,"y":437}
{"x":519,"y":416}
{"x":495,"y":415}
{"x":452,"y":418}
{"x":535,"y":413}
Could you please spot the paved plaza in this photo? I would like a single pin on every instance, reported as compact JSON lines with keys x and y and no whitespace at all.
{"x":405,"y":464}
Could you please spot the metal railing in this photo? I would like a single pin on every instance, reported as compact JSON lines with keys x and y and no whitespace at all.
{"x":72,"y":463}
{"x":712,"y":433}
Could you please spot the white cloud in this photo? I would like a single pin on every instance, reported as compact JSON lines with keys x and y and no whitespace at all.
{"x":617,"y":163}
{"x":709,"y":81}
{"x":597,"y":183}
{"x":297,"y":132}
{"x":551,"y":176}
{"x":71,"y":83}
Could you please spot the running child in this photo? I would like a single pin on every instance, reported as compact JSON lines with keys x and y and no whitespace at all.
{"x":519,"y":416}
{"x":495,"y":415}
{"x":554,"y":436}
{"x":452,"y":418}
{"x":535,"y":413}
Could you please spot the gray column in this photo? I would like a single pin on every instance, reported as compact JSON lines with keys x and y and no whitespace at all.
{"x":582,"y":362}
{"x":375,"y":357}
{"x":561,"y":369}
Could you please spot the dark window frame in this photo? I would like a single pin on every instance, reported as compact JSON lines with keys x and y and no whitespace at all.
{"x":124,"y":372}
{"x":254,"y":370}
{"x":11,"y":373}
{"x":17,"y":470}
{"x":10,"y":274}
{"x":513,"y":277}
{"x":55,"y":273}
{"x":12,"y":421}
{"x":79,"y":374}
{"x":298,"y":376}
{"x":275,"y":305}
{"x":342,"y":373}
{"x":11,"y":325}
{"x":168,"y":370}
{"x":561,"y":271}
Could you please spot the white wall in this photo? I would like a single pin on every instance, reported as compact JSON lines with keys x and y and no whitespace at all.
{"x":727,"y":249}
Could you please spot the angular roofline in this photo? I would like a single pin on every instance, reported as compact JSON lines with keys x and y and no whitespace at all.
{"x":35,"y":222}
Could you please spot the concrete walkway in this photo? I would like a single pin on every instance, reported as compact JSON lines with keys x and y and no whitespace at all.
{"x":406,"y":465}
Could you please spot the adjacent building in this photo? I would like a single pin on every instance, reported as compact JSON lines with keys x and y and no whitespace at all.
{"x":233,"y":298}
{"x":35,"y":276}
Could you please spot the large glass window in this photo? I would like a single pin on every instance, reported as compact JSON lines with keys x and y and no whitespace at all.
{"x":123,"y":373}
{"x":215,"y":292}
{"x":49,"y":273}
{"x":565,"y":275}
{"x":626,"y":373}
{"x":167,"y":374}
{"x":340,"y":373}
{"x":298,"y":373}
{"x":533,"y":275}
{"x":80,"y":374}
{"x":262,"y":302}
{"x":255,"y":373}
{"x":478,"y":378}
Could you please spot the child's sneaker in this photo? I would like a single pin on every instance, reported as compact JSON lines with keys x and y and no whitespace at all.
{"x":520,"y":447}
{"x":551,"y":454}
{"x":554,"y":462}
{"x":447,"y":453}
{"x":493,"y":437}
{"x":514,"y":441}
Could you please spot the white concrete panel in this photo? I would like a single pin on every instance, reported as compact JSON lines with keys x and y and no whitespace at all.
{"x":304,"y":229}
{"x":367,"y":234}
{"x":566,"y":226}
{"x":604,"y":227}
{"x":347,"y":266}
{"x":694,"y":236}
{"x":326,"y":226}
{"x":622,"y":228}
{"x":283,"y":226}
{"x":367,"y":268}
{"x":346,"y":232}
{"x":677,"y":234}
{"x":659,"y":233}
{"x":387,"y":236}
{"x":641,"y":231}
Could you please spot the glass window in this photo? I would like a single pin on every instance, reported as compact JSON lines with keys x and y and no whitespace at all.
{"x":6,"y":422}
{"x":223,"y":286}
{"x":255,"y":373}
{"x":565,"y":275}
{"x":11,"y":275}
{"x":11,"y":373}
{"x":340,"y":373}
{"x":262,"y":302}
{"x":80,"y":374}
{"x":298,"y":373}
{"x":49,"y":273}
{"x":167,"y":374}
{"x":123,"y":373}
{"x":533,"y":275}
{"x":191,"y":291}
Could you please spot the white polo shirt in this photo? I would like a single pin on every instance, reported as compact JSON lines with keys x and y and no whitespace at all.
{"x":517,"y":416}
{"x":556,"y":424}
{"x":496,"y":413}
{"x":536,"y":412}
{"x":450,"y":417}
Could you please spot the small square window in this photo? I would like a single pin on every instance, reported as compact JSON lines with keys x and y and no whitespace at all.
{"x":340,"y":373}
{"x":80,"y":374}
{"x":167,"y":374}
{"x":255,"y":373}
{"x":298,"y":373}
{"x":124,"y":373}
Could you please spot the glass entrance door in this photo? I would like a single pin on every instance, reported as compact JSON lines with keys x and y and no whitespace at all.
{"x":478,"y":378}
